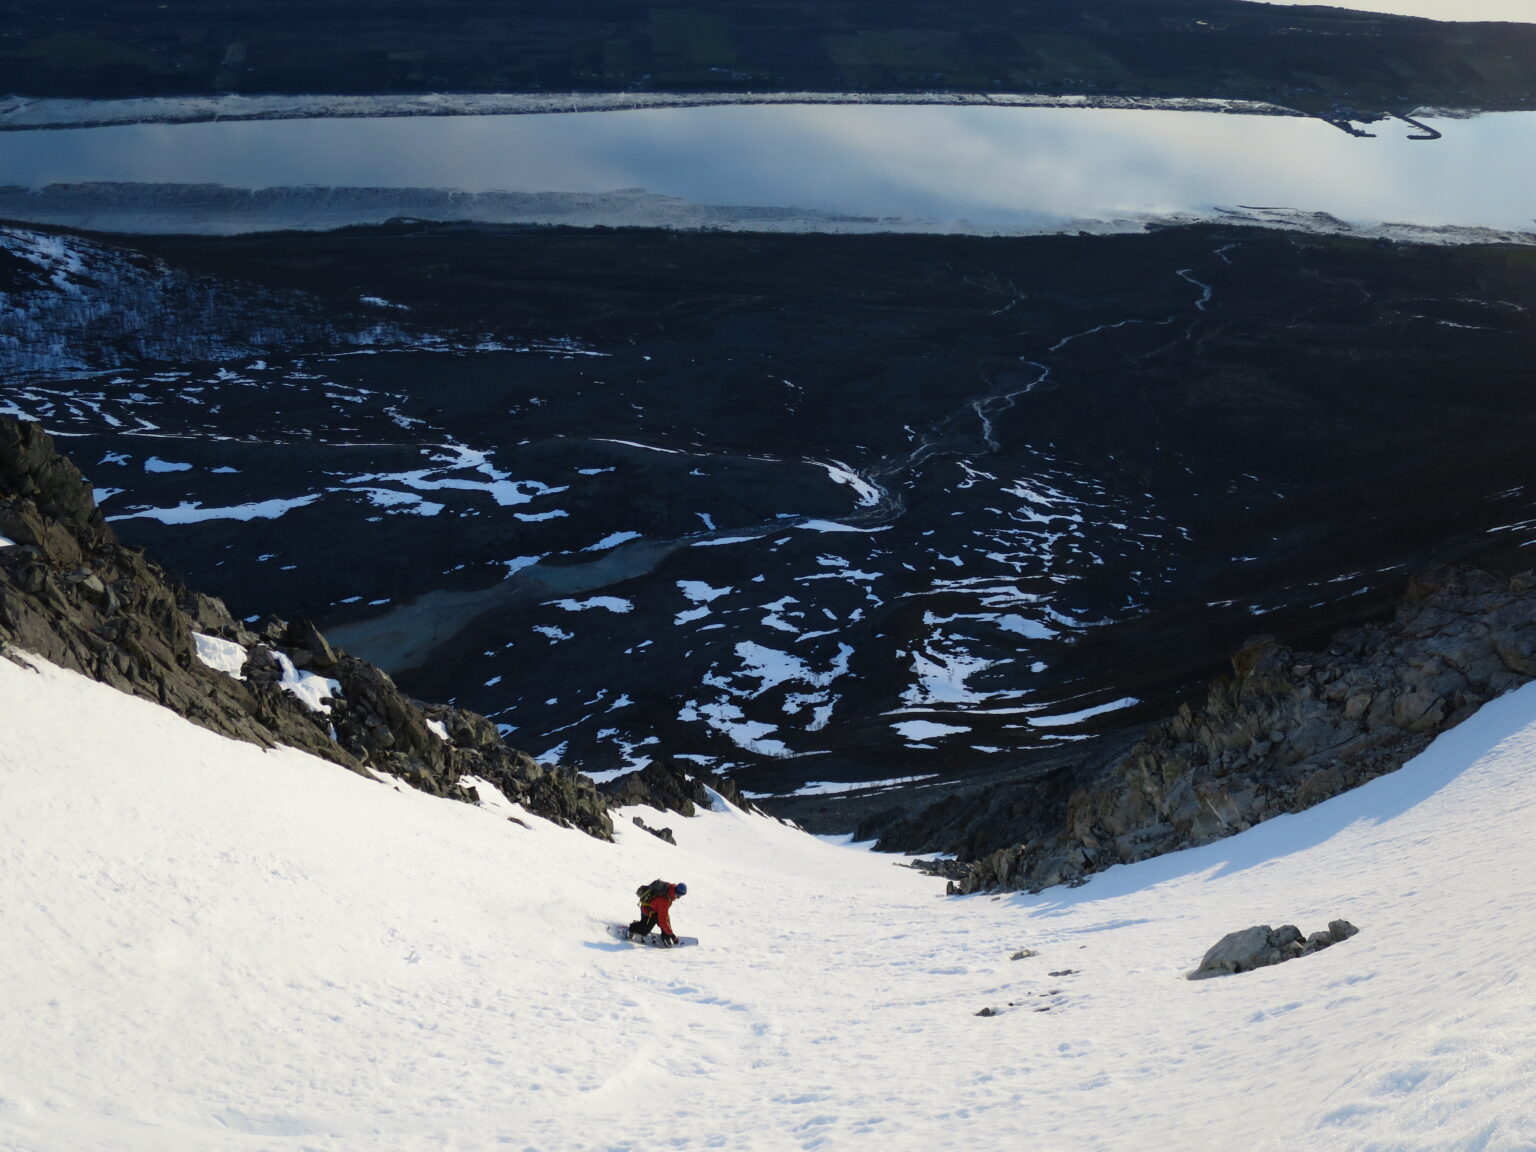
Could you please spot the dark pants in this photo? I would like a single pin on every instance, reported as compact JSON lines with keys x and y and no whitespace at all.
{"x":643,"y":926}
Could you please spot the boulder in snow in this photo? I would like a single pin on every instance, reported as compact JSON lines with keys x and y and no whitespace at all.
{"x":1261,"y":946}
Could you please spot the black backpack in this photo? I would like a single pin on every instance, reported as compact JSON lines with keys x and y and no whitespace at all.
{"x":649,"y":892}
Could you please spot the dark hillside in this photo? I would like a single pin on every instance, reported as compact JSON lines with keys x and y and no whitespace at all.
{"x":818,"y":507}
{"x":1321,"y":61}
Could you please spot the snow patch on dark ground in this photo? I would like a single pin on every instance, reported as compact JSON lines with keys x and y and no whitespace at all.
{"x":822,"y":588}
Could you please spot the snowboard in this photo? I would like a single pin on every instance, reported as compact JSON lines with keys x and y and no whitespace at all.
{"x":652,"y":940}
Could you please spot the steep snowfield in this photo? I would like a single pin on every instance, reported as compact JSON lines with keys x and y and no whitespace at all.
{"x":211,"y":947}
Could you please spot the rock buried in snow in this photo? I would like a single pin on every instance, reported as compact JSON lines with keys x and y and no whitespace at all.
{"x":659,"y":833}
{"x":987,"y":1012}
{"x":1262,"y":946}
{"x":1023,"y":954}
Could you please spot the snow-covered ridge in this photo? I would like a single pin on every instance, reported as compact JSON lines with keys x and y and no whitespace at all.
{"x":78,"y":306}
{"x":215,"y":947}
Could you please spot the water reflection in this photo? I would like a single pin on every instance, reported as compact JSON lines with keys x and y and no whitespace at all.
{"x":972,"y":168}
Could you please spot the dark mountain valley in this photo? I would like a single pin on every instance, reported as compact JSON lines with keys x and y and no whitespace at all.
{"x":931,"y":515}
{"x":1040,"y":551}
{"x":1004,"y":532}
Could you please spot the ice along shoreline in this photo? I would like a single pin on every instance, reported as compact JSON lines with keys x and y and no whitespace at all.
{"x":18,"y":113}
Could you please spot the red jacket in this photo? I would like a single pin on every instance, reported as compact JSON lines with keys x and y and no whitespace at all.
{"x":662,"y":906}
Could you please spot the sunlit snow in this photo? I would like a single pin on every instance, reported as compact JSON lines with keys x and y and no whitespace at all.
{"x":221,"y":655}
{"x":210,"y":946}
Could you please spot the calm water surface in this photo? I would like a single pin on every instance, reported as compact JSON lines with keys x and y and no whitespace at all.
{"x":928,"y":167}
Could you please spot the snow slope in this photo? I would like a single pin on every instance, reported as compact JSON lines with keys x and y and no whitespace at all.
{"x":211,"y":947}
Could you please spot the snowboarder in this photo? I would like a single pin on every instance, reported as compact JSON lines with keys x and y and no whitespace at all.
{"x":655,"y":910}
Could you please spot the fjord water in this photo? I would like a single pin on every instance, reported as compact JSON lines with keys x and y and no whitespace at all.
{"x":846,"y":167}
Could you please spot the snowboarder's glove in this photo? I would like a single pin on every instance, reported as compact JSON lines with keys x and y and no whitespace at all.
{"x":667,"y":939}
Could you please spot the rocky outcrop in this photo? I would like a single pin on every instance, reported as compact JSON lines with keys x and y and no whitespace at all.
{"x":1262,"y":946}
{"x":474,"y":747}
{"x":659,"y":833}
{"x":1286,"y":731}
{"x":665,"y":786}
{"x":731,"y":792}
{"x":73,"y":595}
{"x":660,"y":785}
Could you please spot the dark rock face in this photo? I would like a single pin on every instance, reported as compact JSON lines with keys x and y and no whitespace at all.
{"x":475,"y":748}
{"x":1262,"y":946}
{"x":667,"y":788}
{"x":729,"y":789}
{"x":71,"y":594}
{"x":1286,"y":731}
{"x":659,"y":785}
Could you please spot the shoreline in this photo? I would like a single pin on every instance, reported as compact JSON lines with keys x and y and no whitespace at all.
{"x":23,"y":114}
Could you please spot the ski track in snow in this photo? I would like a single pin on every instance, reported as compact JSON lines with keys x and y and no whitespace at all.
{"x":214,"y":947}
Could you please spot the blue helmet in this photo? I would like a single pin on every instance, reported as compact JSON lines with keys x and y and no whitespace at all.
{"x":681,"y":889}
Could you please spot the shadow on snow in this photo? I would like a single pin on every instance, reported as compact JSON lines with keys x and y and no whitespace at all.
{"x":1376,"y":802}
